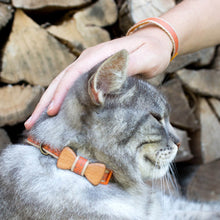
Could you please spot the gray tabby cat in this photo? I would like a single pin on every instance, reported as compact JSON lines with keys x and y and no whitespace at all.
{"x":108,"y":118}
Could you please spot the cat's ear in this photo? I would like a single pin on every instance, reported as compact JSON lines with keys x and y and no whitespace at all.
{"x":109,"y":77}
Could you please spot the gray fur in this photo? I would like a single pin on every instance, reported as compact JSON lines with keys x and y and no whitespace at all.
{"x":128,"y":129}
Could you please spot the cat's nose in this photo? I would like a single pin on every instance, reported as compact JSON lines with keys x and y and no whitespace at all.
{"x":176,"y":140}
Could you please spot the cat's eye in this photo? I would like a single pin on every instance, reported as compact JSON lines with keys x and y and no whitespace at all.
{"x":156,"y":116}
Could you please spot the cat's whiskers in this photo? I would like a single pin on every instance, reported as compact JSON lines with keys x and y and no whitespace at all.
{"x":167,"y":183}
{"x":167,"y":178}
{"x":174,"y":170}
{"x":174,"y":173}
{"x":163,"y":183}
{"x":154,"y":175}
{"x":172,"y":182}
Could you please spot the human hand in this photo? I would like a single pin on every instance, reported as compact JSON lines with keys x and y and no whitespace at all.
{"x":149,"y":54}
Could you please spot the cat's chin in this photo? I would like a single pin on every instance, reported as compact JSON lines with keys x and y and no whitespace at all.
{"x":155,"y":165}
{"x":153,"y":171}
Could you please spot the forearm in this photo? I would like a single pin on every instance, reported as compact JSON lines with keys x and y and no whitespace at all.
{"x":197,"y":24}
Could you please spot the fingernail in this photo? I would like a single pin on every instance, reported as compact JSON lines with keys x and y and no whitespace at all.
{"x":50,"y":107}
{"x":28,"y":121}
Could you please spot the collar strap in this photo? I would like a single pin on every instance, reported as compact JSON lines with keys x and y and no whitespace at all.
{"x":96,"y":173}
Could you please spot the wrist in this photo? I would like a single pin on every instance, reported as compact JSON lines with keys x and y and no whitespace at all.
{"x":164,"y":26}
{"x":152,"y":32}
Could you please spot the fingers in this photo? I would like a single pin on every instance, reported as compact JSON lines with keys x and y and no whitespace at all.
{"x":44,"y":102}
{"x":84,"y":63}
{"x":62,"y":88}
{"x":55,"y":94}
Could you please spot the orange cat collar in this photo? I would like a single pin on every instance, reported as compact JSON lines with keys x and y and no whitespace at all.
{"x":96,"y":173}
{"x":165,"y":26}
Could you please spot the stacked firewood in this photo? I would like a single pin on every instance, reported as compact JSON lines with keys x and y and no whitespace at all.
{"x":39,"y":38}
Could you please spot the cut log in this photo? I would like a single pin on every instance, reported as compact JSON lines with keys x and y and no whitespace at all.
{"x":102,"y":13}
{"x":133,"y":11}
{"x":67,"y":32}
{"x":204,"y":185}
{"x":204,"y":82}
{"x":181,"y":61}
{"x":4,"y":139}
{"x":31,"y":54}
{"x":205,"y":143}
{"x":84,"y":28}
{"x":17,"y":103}
{"x":5,"y":14}
{"x":217,"y":60}
{"x":39,"y":4}
{"x":89,"y":21}
{"x":181,"y":114}
{"x":5,"y":1}
{"x":200,"y":58}
{"x":184,"y":152}
{"x":205,"y":56}
{"x":215,"y":103}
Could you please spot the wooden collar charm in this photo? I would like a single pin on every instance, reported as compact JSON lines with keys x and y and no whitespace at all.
{"x":96,"y":173}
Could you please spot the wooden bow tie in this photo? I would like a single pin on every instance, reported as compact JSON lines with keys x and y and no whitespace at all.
{"x":66,"y":159}
{"x":69,"y":161}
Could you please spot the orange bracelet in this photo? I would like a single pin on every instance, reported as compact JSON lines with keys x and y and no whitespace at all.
{"x":161,"y":23}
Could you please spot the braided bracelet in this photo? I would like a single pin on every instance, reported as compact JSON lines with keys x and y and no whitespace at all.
{"x":165,"y":26}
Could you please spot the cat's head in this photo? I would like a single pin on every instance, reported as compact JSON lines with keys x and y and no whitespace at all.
{"x":126,"y":122}
{"x":118,"y":120}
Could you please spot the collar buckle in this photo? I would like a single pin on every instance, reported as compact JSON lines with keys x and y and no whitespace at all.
{"x":42,"y":150}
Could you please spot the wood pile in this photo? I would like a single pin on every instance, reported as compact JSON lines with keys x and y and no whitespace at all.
{"x":38,"y":39}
